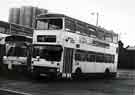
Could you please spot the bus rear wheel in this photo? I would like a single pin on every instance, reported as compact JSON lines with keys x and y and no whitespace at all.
{"x":107,"y":74}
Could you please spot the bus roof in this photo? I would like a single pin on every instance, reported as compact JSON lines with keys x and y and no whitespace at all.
{"x":12,"y":29}
{"x":46,"y":15}
{"x":50,"y":15}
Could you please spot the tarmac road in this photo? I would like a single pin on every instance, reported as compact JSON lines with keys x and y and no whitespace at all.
{"x":123,"y":85}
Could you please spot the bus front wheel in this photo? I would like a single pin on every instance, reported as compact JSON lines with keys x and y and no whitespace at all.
{"x":78,"y":74}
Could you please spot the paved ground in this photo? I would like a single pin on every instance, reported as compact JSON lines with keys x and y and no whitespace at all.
{"x":124,"y":84}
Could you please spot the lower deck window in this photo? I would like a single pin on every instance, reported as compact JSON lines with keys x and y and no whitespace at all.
{"x":93,"y":57}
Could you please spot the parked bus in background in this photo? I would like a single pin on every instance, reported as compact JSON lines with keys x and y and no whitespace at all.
{"x":17,"y":53}
{"x":15,"y":43}
{"x":67,"y":47}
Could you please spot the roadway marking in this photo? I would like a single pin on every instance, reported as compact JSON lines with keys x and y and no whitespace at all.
{"x":14,"y":92}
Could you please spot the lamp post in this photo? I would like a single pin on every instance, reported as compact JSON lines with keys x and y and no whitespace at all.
{"x":97,"y":17}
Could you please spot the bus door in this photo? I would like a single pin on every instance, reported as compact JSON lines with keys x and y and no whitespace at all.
{"x":67,"y":61}
{"x":29,"y":57}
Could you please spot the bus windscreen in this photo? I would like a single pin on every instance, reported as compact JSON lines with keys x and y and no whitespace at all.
{"x":50,"y":53}
{"x":17,"y":51}
{"x":49,"y":24}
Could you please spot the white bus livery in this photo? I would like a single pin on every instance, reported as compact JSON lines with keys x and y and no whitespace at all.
{"x":67,"y":47}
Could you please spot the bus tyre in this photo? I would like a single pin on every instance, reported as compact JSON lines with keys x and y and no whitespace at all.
{"x":78,"y":73}
{"x":114,"y":75}
{"x":107,"y":74}
{"x":59,"y":76}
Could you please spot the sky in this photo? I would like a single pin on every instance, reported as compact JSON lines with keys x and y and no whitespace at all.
{"x":116,"y":15}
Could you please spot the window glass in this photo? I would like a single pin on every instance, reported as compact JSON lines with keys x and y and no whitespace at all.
{"x":2,"y":30}
{"x":88,"y":57}
{"x":17,"y":51}
{"x":84,"y":56}
{"x":93,"y":57}
{"x":80,"y":55}
{"x":99,"y":58}
{"x":77,"y":56}
{"x":100,"y":34}
{"x":41,"y":25}
{"x":50,"y":53}
{"x":70,"y":25}
{"x":113,"y":58}
{"x":92,"y":32}
{"x":109,"y":58}
{"x":49,"y":24}
{"x":82,"y":28}
{"x":115,"y":38}
{"x":108,"y":37}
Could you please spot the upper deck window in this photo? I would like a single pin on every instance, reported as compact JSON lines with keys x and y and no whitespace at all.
{"x":2,"y":29}
{"x":49,"y":24}
{"x":70,"y":25}
{"x":115,"y":38}
{"x":108,"y":37}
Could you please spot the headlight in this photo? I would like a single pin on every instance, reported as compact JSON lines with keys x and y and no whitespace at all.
{"x":5,"y":57}
{"x":58,"y":70}
{"x":58,"y":64}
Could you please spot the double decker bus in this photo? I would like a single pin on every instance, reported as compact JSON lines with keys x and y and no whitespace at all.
{"x":67,"y":47}
{"x":15,"y":47}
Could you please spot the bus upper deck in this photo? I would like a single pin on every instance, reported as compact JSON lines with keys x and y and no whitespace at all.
{"x":62,"y":22}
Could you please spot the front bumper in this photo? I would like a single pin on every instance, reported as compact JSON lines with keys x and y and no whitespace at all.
{"x":44,"y":70}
